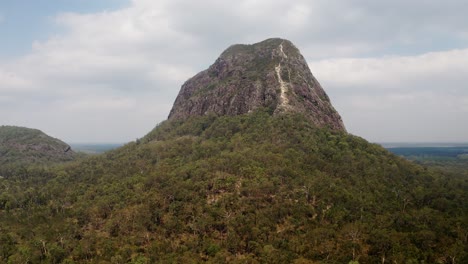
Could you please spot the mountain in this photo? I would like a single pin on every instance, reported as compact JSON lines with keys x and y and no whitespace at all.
{"x":271,"y":185}
{"x":31,"y":146}
{"x":270,"y":74}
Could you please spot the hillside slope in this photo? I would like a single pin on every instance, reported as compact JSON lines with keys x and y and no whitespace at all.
{"x":254,"y":165}
{"x":251,"y":188}
{"x":20,"y":145}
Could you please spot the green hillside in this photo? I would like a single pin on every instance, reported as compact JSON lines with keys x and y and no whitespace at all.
{"x":253,"y":188}
{"x":26,"y":146}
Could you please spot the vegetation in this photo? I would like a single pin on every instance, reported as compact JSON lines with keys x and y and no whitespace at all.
{"x":452,"y":160}
{"x":244,"y":189}
{"x":431,"y":153}
{"x":20,"y":146}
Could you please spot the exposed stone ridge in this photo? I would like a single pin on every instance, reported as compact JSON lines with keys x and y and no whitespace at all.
{"x":271,"y":74}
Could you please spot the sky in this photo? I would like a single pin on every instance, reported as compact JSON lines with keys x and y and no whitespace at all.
{"x":99,"y":71}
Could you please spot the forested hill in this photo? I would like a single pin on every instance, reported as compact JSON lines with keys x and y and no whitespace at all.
{"x":254,"y":165}
{"x":26,"y":146}
{"x":253,"y":188}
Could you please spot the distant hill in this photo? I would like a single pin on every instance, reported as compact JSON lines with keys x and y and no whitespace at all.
{"x":20,"y":145}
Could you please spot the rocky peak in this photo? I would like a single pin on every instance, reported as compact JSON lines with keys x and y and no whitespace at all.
{"x":270,"y":74}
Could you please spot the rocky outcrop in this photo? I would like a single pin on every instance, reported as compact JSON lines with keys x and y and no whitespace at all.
{"x":270,"y":74}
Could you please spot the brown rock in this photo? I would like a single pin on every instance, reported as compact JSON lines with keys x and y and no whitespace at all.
{"x":269,"y":74}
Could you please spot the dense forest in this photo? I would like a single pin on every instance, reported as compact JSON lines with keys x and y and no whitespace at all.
{"x":253,"y":188}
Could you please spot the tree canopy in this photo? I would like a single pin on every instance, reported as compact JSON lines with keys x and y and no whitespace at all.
{"x":253,"y":188}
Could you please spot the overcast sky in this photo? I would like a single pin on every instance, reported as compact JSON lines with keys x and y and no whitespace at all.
{"x":109,"y":70}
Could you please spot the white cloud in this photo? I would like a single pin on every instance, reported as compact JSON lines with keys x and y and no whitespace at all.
{"x":435,"y":71}
{"x":418,"y":96}
{"x":126,"y":66}
{"x":101,"y":104}
{"x":10,"y":82}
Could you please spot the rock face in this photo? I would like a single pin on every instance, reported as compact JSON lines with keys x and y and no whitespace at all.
{"x":270,"y":74}
{"x":22,"y":145}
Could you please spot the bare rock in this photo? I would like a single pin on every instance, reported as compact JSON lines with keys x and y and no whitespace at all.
{"x":270,"y":74}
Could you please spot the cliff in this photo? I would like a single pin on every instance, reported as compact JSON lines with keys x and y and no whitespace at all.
{"x":270,"y":74}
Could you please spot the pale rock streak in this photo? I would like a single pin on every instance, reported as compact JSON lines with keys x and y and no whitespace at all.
{"x":283,"y":87}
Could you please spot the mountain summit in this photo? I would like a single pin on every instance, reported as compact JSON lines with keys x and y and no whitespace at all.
{"x":270,"y":74}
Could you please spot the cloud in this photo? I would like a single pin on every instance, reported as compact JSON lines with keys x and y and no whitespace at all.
{"x":129,"y":64}
{"x":10,"y":82}
{"x":440,"y":72}
{"x":423,"y":96}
